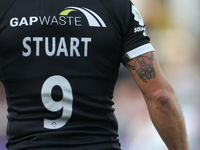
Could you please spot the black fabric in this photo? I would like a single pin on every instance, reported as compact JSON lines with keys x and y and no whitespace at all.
{"x":5,"y":6}
{"x":59,"y":63}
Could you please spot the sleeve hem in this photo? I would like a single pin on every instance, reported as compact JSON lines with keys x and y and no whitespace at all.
{"x":137,"y":52}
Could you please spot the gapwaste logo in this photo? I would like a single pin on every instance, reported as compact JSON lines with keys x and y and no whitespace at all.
{"x":65,"y":18}
{"x":93,"y":19}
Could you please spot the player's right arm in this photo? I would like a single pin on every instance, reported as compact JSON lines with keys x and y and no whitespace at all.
{"x":163,"y":106}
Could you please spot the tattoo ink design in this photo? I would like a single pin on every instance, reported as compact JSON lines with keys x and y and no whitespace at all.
{"x":144,"y":67}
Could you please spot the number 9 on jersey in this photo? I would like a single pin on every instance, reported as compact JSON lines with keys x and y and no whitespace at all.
{"x":65,"y":103}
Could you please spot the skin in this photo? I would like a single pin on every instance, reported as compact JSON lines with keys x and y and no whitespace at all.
{"x":163,"y":106}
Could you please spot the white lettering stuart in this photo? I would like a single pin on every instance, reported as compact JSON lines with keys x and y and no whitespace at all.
{"x":37,"y":40}
{"x":26,"y":46}
{"x":62,"y":48}
{"x":74,"y":43}
{"x":33,"y":46}
{"x":53,"y":50}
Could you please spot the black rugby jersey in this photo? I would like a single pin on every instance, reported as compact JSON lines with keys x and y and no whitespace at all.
{"x":59,"y":62}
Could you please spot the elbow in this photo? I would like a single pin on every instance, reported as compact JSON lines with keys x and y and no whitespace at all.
{"x":162,"y":99}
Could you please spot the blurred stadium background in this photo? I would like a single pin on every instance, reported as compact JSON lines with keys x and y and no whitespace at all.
{"x":174,"y":28}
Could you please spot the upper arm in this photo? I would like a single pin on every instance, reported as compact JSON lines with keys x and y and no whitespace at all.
{"x":147,"y":74}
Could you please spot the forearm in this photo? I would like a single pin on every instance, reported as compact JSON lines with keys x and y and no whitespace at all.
{"x":168,"y":119}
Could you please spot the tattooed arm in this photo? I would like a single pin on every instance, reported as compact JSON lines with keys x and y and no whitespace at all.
{"x":163,"y":106}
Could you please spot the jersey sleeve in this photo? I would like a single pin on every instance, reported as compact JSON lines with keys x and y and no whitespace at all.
{"x":135,"y":41}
